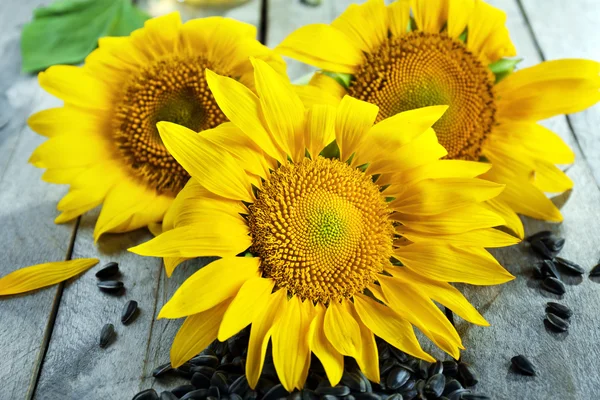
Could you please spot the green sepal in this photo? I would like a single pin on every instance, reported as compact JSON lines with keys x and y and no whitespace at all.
{"x":332,"y":150}
{"x":66,"y":31}
{"x":504,"y":67}
{"x":341,"y":78}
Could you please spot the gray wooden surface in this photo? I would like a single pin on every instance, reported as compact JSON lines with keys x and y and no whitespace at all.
{"x":48,"y":339}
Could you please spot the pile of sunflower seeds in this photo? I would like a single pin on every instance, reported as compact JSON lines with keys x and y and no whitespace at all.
{"x":218,"y":374}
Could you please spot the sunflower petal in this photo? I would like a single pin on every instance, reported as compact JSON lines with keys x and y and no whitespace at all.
{"x":399,"y":17}
{"x":323,"y":46}
{"x":332,"y":360}
{"x":511,"y":219}
{"x":320,"y":128}
{"x":489,"y":237}
{"x":211,"y":285}
{"x":353,"y":121}
{"x":430,"y":16}
{"x":389,"y":326}
{"x":260,"y":333}
{"x":196,"y":333}
{"x":368,"y":356}
{"x":342,"y":331}
{"x":549,"y":178}
{"x":75,"y":86}
{"x":488,"y":35}
{"x":459,"y":13}
{"x":42,"y":275}
{"x":252,"y":297}
{"x":355,"y":18}
{"x":447,"y":263}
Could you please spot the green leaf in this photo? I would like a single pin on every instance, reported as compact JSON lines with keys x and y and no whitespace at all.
{"x":341,"y":78}
{"x":503,"y":67}
{"x":67,"y":31}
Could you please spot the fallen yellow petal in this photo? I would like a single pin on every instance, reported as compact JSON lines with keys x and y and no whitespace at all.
{"x":41,"y":275}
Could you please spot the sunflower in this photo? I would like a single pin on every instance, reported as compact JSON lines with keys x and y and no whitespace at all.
{"x":103,"y":142}
{"x":329,"y":229}
{"x":456,"y":52}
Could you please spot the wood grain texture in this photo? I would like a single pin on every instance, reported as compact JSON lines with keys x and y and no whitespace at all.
{"x":75,"y":366}
{"x":568,"y":30}
{"x":27,"y":211}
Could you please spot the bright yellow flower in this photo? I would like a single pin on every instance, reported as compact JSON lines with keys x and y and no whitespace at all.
{"x":317,"y":253}
{"x":453,"y":52}
{"x":103,"y":141}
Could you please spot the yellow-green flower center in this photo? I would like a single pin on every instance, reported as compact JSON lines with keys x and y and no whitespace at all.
{"x":425,"y":69}
{"x":321,"y":229}
{"x":174,"y":90}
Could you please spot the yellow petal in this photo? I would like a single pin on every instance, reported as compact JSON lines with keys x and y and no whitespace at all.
{"x":50,"y":122}
{"x":463,"y":219}
{"x":342,"y":331}
{"x":173,"y":262}
{"x":441,"y":169}
{"x":488,"y":36}
{"x":389,"y":326}
{"x":443,"y":293}
{"x":323,"y":46}
{"x":41,"y":275}
{"x":196,"y":333}
{"x":260,"y":333}
{"x":419,"y":310}
{"x":228,"y":237}
{"x":242,"y":107}
{"x":488,"y":238}
{"x":282,"y":109}
{"x":329,"y":85}
{"x":290,"y":344}
{"x":252,"y":297}
{"x":320,"y":128}
{"x":332,"y":360}
{"x":62,"y":176}
{"x":368,"y":356}
{"x":160,"y":35}
{"x":365,"y":25}
{"x":212,"y":167}
{"x":511,"y":219}
{"x":75,"y":86}
{"x":459,"y":14}
{"x":211,"y":285}
{"x":353,"y":121}
{"x":549,"y":178}
{"x":434,"y":196}
{"x":399,"y":17}
{"x":453,"y":264}
{"x":430,"y":16}
{"x":548,"y":89}
{"x":68,"y":152}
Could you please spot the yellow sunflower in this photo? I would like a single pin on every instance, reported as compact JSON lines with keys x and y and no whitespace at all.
{"x":319,"y":253}
{"x":455,"y":52}
{"x":103,"y":142}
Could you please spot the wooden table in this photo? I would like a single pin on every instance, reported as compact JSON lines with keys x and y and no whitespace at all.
{"x":48,"y":339}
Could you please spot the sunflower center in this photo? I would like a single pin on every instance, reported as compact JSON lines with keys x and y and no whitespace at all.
{"x":321,"y":229}
{"x":425,"y":69}
{"x":173,"y":90}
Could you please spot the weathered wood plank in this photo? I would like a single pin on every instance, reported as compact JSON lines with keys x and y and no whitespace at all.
{"x":75,"y":366}
{"x":570,"y":30}
{"x":27,"y":209}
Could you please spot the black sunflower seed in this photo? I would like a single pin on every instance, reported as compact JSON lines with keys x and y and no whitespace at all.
{"x":466,"y":376}
{"x":410,"y":394}
{"x":276,"y":392}
{"x":185,"y":370}
{"x":161,"y":370}
{"x":399,"y":354}
{"x":166,"y":395}
{"x":457,"y":394}
{"x":182,"y":390}
{"x":219,"y":380}
{"x":595,"y":272}
{"x":569,"y":266}
{"x":436,"y":368}
{"x":540,"y":248}
{"x":522,"y":365}
{"x":396,"y":396}
{"x":451,"y":386}
{"x":435,"y":385}
{"x":409,"y":385}
{"x":129,"y":311}
{"x":538,"y":235}
{"x":204,"y":370}
{"x":537,"y":272}
{"x":328,"y":397}
{"x":309,"y":395}
{"x":555,"y":245}
{"x":206,"y":360}
{"x":420,"y":386}
{"x":198,"y":394}
{"x":556,"y":323}
{"x":239,"y":386}
{"x":339,"y":390}
{"x":553,"y":285}
{"x":110,"y":286}
{"x":353,"y":381}
{"x":108,"y":271}
{"x":559,"y":309}
{"x":396,"y":378}
{"x":235,"y":396}
{"x":388,"y":365}
{"x":148,"y":394}
{"x":367,"y":396}
{"x":213,"y":391}
{"x":450,"y":368}
{"x":200,"y":381}
{"x":106,"y":335}
{"x":475,"y":396}
{"x":548,"y":268}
